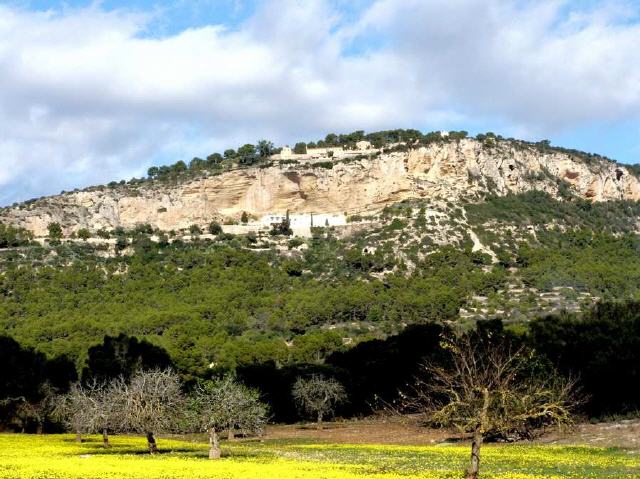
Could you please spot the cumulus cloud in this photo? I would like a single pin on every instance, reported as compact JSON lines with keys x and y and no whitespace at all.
{"x":537,"y":64}
{"x":86,"y":96}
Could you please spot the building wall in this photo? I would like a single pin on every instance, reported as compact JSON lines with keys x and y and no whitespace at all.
{"x":300,"y":223}
{"x":304,"y":220}
{"x":362,"y":147}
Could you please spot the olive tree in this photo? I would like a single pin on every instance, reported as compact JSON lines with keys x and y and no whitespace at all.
{"x":318,"y":395}
{"x":151,"y":403}
{"x":490,"y":390}
{"x":226,"y":404}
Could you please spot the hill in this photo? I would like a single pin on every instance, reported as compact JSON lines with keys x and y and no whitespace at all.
{"x":324,"y":186}
{"x":430,"y":228}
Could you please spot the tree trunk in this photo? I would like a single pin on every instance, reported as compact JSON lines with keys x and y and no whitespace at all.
{"x":40,"y":428}
{"x":231,"y":435}
{"x":78,"y":437}
{"x":105,"y":438}
{"x":214,"y":444}
{"x":478,"y":437}
{"x":474,"y":465}
{"x":319,"y":422}
{"x":153,"y":448}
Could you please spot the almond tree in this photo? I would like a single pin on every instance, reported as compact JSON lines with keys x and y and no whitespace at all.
{"x":318,"y":395}
{"x":68,"y":409}
{"x":226,"y":404}
{"x":91,"y":408}
{"x":489,"y":390}
{"x":151,"y":403}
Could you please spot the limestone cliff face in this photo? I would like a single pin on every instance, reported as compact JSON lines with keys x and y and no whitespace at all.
{"x":450,"y":171}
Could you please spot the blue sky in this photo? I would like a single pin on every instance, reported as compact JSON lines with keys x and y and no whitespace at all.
{"x":96,"y":91}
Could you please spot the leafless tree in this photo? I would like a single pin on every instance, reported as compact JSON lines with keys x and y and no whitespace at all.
{"x":226,"y":404}
{"x":69,"y":408}
{"x":151,"y":403}
{"x":91,"y":408}
{"x":489,"y":390}
{"x":38,"y":411}
{"x":318,"y":395}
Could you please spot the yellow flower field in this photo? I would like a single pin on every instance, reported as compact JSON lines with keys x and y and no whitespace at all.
{"x":60,"y":457}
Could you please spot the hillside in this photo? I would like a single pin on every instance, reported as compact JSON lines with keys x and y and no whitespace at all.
{"x":326,"y":185}
{"x":446,"y":229}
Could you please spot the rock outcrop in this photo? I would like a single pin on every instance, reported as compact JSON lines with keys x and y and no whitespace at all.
{"x":451,"y":170}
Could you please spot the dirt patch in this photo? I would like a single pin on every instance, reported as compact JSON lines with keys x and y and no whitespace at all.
{"x":366,"y":431}
{"x":624,"y":433}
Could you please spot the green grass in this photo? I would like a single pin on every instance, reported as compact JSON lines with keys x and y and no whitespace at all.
{"x":59,"y":456}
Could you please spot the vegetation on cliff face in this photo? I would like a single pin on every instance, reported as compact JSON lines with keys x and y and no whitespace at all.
{"x":214,"y":303}
{"x":536,"y":208}
{"x":578,"y":244}
{"x":259,"y":154}
{"x":11,"y":236}
{"x":388,"y":140}
{"x":222,"y":302}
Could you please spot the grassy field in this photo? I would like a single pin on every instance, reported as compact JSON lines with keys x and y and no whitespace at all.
{"x":59,"y":456}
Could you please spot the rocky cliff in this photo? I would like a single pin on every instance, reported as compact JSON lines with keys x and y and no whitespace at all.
{"x":450,"y":170}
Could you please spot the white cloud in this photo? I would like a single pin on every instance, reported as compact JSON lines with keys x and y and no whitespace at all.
{"x":86,"y":97}
{"x":525,"y":61}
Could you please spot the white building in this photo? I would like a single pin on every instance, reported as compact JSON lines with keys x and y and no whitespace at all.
{"x":286,"y":153}
{"x":305,"y":220}
{"x":324,"y":153}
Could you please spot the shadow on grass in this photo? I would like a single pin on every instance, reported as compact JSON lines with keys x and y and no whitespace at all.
{"x":184,"y":453}
{"x":95,"y":448}
{"x":137,"y":451}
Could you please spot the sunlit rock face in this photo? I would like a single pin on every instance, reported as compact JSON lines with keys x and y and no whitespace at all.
{"x":452,"y":170}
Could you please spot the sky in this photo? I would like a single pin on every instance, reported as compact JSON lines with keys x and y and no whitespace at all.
{"x":95,"y":91}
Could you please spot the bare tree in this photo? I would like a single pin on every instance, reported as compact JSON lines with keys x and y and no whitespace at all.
{"x":91,"y":408}
{"x":69,"y":408}
{"x":38,"y":411}
{"x":318,"y":395}
{"x":226,"y":404}
{"x":489,"y":390}
{"x":151,"y":403}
